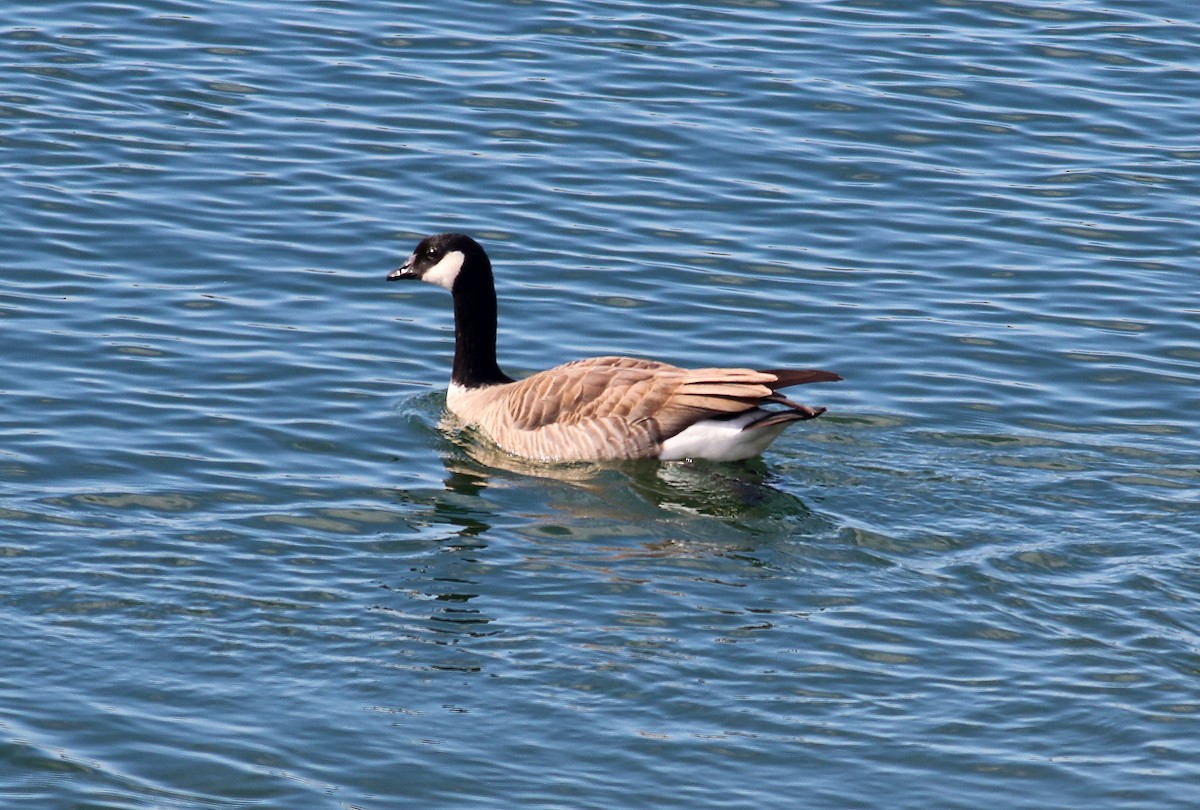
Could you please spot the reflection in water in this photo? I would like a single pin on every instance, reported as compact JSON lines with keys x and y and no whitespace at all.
{"x":740,"y":493}
{"x":737,"y":491}
{"x":500,"y":522}
{"x":432,"y":594}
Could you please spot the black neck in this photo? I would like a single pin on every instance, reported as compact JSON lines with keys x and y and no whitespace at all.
{"x":475,"y":326}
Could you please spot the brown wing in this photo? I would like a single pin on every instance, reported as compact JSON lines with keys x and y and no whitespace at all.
{"x":596,"y":388}
{"x":623,"y":407}
{"x":631,"y":389}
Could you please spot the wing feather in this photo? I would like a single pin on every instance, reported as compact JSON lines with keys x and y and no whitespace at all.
{"x":623,"y":407}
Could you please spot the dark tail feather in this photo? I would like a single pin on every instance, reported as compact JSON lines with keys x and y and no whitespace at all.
{"x":801,"y":413}
{"x":787,"y":377}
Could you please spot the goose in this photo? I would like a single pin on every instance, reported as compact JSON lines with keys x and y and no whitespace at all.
{"x":601,"y":408}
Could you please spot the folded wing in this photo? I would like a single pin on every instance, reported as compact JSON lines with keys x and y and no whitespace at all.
{"x":622,"y":407}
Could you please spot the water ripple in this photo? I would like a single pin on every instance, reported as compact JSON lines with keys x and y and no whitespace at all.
{"x":245,"y":560}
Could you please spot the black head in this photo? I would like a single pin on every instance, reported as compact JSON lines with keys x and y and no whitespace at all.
{"x":440,"y":259}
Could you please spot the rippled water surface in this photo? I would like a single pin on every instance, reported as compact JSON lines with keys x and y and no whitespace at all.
{"x":244,"y":565}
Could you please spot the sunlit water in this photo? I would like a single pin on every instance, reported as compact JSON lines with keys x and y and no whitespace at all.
{"x":244,"y":565}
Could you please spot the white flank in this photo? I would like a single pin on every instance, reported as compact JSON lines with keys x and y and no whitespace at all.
{"x":444,"y":272}
{"x":721,"y":439}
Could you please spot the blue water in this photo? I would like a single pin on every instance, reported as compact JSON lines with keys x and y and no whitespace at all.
{"x":245,"y":565}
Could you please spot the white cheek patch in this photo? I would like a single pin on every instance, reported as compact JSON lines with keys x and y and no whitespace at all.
{"x":444,"y":272}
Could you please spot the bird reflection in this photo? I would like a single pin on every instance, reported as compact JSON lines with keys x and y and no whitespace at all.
{"x":452,"y":587}
{"x":738,"y":490}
